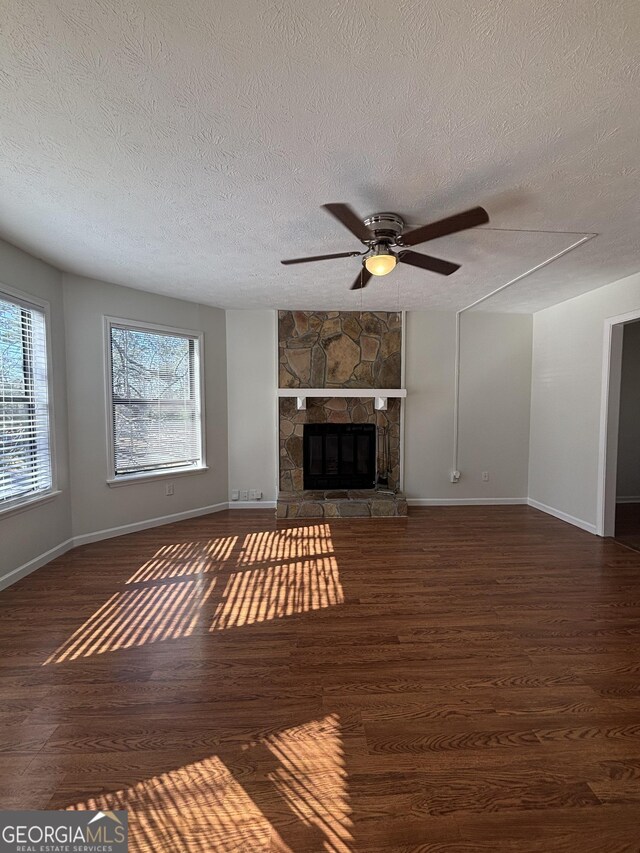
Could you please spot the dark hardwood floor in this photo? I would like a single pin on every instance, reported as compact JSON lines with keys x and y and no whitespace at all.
{"x":467,"y":679}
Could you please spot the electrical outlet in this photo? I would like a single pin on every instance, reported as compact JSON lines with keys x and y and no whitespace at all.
{"x":168,"y":489}
{"x":244,"y":495}
{"x":255,"y":494}
{"x":485,"y":476}
{"x":454,"y":476}
{"x":235,"y":495}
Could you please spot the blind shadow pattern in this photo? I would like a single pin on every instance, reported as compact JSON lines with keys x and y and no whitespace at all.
{"x":195,"y":587}
{"x":208,"y":806}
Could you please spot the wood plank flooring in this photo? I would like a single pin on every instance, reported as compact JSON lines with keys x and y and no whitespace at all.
{"x":467,"y":679}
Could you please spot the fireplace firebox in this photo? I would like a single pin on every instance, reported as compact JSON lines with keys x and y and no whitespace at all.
{"x":339,"y":456}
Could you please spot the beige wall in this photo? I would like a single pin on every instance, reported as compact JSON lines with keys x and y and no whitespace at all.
{"x":251,"y":383}
{"x":495,"y":374}
{"x":96,"y":506}
{"x":28,"y":533}
{"x":628,"y":477}
{"x":566,"y":398}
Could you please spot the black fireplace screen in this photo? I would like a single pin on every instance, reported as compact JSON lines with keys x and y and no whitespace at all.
{"x":339,"y":456}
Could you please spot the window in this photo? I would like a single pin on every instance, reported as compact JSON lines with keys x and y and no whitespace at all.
{"x":155,"y":400}
{"x":25,"y":443}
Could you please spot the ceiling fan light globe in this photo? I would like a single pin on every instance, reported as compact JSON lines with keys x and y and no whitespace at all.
{"x":381,"y":264}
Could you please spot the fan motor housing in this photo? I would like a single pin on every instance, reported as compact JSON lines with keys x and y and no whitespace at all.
{"x":385,"y":226}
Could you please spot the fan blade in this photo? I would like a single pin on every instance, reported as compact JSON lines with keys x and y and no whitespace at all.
{"x":450,"y":225}
{"x":321,"y":258}
{"x":363,"y":279}
{"x":350,"y":220}
{"x":427,"y":262}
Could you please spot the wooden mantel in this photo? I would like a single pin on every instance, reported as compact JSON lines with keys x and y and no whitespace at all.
{"x":380,"y":395}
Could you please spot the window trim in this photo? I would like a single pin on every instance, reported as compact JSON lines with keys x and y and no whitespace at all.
{"x":29,"y":301}
{"x":149,"y":476}
{"x":113,"y":479}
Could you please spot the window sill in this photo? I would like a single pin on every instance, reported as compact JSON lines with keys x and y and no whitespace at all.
{"x":29,"y":503}
{"x":131,"y":479}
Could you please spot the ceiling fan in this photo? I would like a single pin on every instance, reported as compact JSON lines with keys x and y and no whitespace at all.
{"x":382,"y":231}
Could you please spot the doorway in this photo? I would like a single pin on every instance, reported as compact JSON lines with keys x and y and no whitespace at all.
{"x":619,"y":462}
{"x":627,"y":517}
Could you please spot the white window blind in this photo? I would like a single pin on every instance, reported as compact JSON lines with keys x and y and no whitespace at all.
{"x":25,"y":449}
{"x":155,"y":394}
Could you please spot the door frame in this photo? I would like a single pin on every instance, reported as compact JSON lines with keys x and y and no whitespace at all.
{"x":609,"y":421}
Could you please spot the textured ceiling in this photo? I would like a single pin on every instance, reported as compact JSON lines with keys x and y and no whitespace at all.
{"x":185,"y":147}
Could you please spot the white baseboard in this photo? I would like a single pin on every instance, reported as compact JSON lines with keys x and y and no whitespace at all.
{"x":466,"y":501}
{"x":628,"y":499}
{"x":36,"y":563}
{"x":121,"y":530}
{"x":98,"y":535}
{"x":563,"y":516}
{"x":251,"y":505}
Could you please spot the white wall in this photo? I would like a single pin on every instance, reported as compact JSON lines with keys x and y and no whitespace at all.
{"x":96,"y":506}
{"x":628,"y":476}
{"x":27,"y":534}
{"x":251,"y":383}
{"x":495,"y":376}
{"x":566,"y":395}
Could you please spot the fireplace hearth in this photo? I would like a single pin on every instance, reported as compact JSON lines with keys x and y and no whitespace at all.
{"x":339,"y":456}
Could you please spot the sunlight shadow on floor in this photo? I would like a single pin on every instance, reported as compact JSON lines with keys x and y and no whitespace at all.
{"x":312,"y":780}
{"x":185,"y":558}
{"x":138,"y":617}
{"x":258,"y":595}
{"x":202,"y":807}
{"x":307,"y":541}
{"x":199,"y":587}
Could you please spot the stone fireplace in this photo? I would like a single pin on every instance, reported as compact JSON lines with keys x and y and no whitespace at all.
{"x":325,"y":351}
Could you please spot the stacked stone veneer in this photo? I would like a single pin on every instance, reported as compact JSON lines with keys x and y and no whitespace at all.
{"x":332,"y":349}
